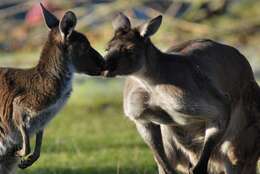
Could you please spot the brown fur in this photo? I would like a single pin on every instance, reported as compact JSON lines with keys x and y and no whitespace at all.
{"x":31,"y":97}
{"x":35,"y":88}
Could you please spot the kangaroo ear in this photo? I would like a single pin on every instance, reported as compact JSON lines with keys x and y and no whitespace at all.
{"x":50,"y":20}
{"x":121,"y":22}
{"x":149,"y":28}
{"x":67,"y":24}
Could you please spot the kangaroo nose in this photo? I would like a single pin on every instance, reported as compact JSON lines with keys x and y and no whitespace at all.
{"x":98,"y":59}
{"x":108,"y":68}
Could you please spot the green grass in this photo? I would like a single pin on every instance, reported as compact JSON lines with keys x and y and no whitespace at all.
{"x":91,"y":135}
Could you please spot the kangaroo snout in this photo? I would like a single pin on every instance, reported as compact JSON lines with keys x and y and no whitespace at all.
{"x":111,"y":61}
{"x":100,"y":63}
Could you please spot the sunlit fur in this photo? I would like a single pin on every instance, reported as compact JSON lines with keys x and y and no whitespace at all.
{"x":32,"y":97}
{"x":183,"y":90}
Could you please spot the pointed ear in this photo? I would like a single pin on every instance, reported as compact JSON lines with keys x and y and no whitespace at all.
{"x":121,"y":22}
{"x":50,"y":20}
{"x":149,"y":28}
{"x":67,"y":24}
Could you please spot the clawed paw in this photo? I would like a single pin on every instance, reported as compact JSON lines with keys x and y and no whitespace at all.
{"x":26,"y":162}
{"x":21,"y":153}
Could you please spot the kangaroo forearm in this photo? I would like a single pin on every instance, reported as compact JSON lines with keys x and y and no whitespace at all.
{"x":38,"y":144}
{"x":157,"y":115}
{"x":29,"y":160}
{"x":26,"y":149}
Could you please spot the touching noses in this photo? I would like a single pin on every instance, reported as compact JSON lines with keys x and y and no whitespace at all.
{"x":99,"y":60}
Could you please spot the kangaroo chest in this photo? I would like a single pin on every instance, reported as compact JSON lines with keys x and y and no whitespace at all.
{"x":37,"y":120}
{"x":41,"y":118}
{"x":183,"y":108}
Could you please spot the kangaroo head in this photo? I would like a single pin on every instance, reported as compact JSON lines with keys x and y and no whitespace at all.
{"x":73,"y":44}
{"x":127,"y":49}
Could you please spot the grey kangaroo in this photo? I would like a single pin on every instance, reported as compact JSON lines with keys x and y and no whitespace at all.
{"x":182,"y":99}
{"x":30,"y":98}
{"x":239,"y":150}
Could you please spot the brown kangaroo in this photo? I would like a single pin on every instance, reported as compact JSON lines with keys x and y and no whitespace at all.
{"x":32,"y":97}
{"x":179,"y":101}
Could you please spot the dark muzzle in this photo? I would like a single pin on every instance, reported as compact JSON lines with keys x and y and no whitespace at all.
{"x":111,"y":59}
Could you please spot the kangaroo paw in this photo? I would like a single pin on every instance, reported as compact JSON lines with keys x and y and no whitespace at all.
{"x":27,"y":161}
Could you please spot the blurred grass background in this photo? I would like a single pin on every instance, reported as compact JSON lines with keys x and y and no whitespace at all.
{"x":91,"y":134}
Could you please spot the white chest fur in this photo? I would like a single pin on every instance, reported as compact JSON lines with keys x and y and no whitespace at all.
{"x":35,"y":122}
{"x":42,"y":118}
{"x":38,"y":120}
